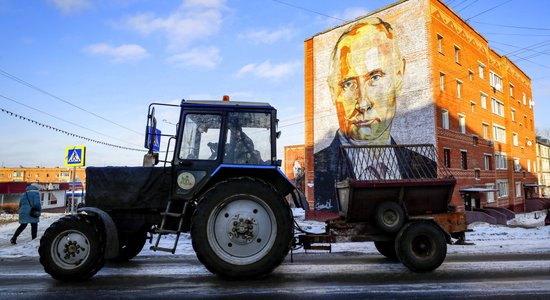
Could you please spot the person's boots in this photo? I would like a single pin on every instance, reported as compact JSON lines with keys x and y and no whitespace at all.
{"x":13,"y":241}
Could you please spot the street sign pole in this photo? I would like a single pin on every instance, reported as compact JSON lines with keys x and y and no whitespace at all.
{"x":72,"y":191}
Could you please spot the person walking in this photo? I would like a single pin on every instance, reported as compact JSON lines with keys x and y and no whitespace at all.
{"x":30,"y":200}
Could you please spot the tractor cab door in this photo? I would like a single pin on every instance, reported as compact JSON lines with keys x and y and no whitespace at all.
{"x":197,"y":152}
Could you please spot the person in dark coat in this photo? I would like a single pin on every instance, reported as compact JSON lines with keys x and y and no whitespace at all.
{"x":31,"y":198}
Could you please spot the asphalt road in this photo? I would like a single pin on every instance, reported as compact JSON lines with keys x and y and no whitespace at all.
{"x":309,"y":276}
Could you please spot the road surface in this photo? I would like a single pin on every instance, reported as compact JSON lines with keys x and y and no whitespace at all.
{"x":316,"y":275}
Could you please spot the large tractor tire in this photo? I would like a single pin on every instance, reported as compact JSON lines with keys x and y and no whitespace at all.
{"x":421,"y":246}
{"x":387,"y":248}
{"x":131,"y":245}
{"x":389,"y":216}
{"x":72,"y":248}
{"x":242,"y":229}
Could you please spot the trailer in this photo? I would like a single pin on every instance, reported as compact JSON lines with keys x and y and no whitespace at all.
{"x":397,"y":196}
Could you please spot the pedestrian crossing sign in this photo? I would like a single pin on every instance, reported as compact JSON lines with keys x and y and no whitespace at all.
{"x":75,"y":156}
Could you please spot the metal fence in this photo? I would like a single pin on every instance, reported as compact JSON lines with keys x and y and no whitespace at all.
{"x":391,"y":163}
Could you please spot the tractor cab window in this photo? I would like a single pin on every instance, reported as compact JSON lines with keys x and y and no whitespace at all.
{"x":201,"y":134}
{"x":248,"y":138}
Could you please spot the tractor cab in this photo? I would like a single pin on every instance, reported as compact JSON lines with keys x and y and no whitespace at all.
{"x":217,"y":140}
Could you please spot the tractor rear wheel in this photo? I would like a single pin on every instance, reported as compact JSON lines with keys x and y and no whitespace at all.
{"x":242,"y":229}
{"x":72,"y":248}
{"x":421,"y":246}
{"x":131,"y":245}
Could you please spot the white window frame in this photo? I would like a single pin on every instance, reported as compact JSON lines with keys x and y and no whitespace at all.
{"x":472,"y":106}
{"x":515,"y":139}
{"x":517,"y":165}
{"x":502,"y":187}
{"x":487,"y":161}
{"x":511,"y":90}
{"x":445,"y":119}
{"x":499,"y":133}
{"x":441,"y":81}
{"x":513,"y":114}
{"x":518,"y":189}
{"x":462,"y":123}
{"x":497,"y":107}
{"x":483,"y":100}
{"x":495,"y":81}
{"x":490,"y":195}
{"x":457,"y":54}
{"x":524,"y":99}
{"x":501,"y":162}
{"x":440,"y":43}
{"x":485,"y":130}
{"x":481,"y":70}
{"x":458,"y":89}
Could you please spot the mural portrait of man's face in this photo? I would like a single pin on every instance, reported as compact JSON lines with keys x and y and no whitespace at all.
{"x":365,"y":78}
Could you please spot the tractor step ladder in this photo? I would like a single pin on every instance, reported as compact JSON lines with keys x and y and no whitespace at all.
{"x":168,"y":213}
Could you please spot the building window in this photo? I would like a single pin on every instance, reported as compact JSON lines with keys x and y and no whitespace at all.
{"x":470,"y":75}
{"x":499,"y":133}
{"x":464,"y":160}
{"x":445,"y":119}
{"x":511,"y":90}
{"x":513,"y":115}
{"x":481,"y":70}
{"x":515,"y":139}
{"x":462,"y":123}
{"x":487,"y":161}
{"x":502,"y":187}
{"x":477,"y":174}
{"x":497,"y":107}
{"x":483,"y":99}
{"x":524,"y":99}
{"x":472,"y":106}
{"x":474,"y":140}
{"x":500,"y":161}
{"x":440,"y":44}
{"x":485,"y":128}
{"x":518,"y":189}
{"x":442,"y":81}
{"x":495,"y":81}
{"x":490,"y":195}
{"x":517,"y":165}
{"x":459,"y":89}
{"x":528,"y":165}
{"x":447,"y":157}
{"x":457,"y":54}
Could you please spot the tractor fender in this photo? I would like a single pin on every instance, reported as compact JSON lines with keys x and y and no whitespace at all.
{"x":109,"y":228}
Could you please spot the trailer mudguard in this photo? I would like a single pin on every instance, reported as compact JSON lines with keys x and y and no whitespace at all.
{"x":109,"y":228}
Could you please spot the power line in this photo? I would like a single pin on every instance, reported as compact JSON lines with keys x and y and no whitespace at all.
{"x":58,"y":118}
{"x":487,"y":10}
{"x":512,"y":26}
{"x":472,"y":3}
{"x":25,"y":83}
{"x":67,"y":132}
{"x":309,"y":10}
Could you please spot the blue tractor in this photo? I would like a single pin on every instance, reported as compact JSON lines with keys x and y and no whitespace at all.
{"x":219,"y":180}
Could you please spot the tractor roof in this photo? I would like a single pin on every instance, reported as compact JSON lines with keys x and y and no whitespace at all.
{"x":224,"y":104}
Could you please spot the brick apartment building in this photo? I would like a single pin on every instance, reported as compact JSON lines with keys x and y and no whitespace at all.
{"x":457,"y":93}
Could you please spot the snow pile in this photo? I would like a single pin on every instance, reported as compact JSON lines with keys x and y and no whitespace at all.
{"x":529,"y":220}
{"x":487,"y":238}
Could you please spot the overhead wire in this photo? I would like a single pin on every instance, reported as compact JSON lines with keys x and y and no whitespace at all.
{"x":30,"y":85}
{"x":487,"y":10}
{"x":58,"y":118}
{"x":67,"y":132}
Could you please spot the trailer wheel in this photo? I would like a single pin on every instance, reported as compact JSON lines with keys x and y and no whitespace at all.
{"x":131,"y":245}
{"x":387,"y":248}
{"x":241,"y":229}
{"x":421,"y":246}
{"x":389,"y":216}
{"x":72,"y":248}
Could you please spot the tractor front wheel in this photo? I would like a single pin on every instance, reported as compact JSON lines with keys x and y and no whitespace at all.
{"x":72,"y":248}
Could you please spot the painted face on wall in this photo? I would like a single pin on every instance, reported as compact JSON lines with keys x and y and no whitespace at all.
{"x":365,"y":77}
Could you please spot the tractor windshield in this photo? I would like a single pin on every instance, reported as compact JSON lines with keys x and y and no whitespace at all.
{"x":248,"y":138}
{"x":201,"y":134}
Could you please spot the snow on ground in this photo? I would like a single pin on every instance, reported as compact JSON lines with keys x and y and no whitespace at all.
{"x":487,"y":238}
